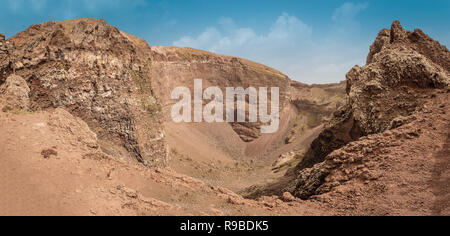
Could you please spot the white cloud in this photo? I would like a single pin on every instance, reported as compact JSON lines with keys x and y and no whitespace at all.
{"x":287,"y":26}
{"x":228,"y":37}
{"x":290,"y":45}
{"x":348,"y":11}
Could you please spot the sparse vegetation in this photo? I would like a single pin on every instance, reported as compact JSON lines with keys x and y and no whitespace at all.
{"x":148,"y":102}
{"x":191,"y":54}
{"x":6,"y":108}
{"x":70,"y":24}
{"x":21,"y":112}
{"x":290,"y":164}
{"x":138,"y":80}
{"x":150,"y":105}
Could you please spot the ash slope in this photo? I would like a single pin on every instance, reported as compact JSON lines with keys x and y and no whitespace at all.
{"x":120,"y":86}
{"x":82,"y":102}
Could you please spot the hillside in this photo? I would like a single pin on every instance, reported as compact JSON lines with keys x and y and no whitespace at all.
{"x":86,"y":130}
{"x":385,"y":152}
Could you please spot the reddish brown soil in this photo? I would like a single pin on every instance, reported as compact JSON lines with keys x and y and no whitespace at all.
{"x":412,"y":177}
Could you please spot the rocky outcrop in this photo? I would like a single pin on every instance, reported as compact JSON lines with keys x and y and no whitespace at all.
{"x":14,"y":94}
{"x":6,"y":49}
{"x":403,"y":69}
{"x":97,"y":73}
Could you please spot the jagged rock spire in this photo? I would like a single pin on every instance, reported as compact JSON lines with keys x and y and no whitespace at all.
{"x":402,"y":70}
{"x":398,"y":34}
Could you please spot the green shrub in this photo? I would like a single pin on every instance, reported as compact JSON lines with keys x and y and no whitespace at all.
{"x":21,"y":112}
{"x":6,"y":108}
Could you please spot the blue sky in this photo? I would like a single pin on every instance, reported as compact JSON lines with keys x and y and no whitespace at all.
{"x":310,"y":41}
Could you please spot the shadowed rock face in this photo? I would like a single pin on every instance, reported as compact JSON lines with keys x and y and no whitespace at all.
{"x":402,"y":69}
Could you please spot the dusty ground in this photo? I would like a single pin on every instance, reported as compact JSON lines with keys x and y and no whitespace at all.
{"x":215,"y":154}
{"x":406,"y":169}
{"x":78,"y":179}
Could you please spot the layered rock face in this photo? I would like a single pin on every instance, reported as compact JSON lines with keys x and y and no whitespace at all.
{"x":95,"y":72}
{"x":173,"y":67}
{"x":6,"y":50}
{"x":403,"y":68}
